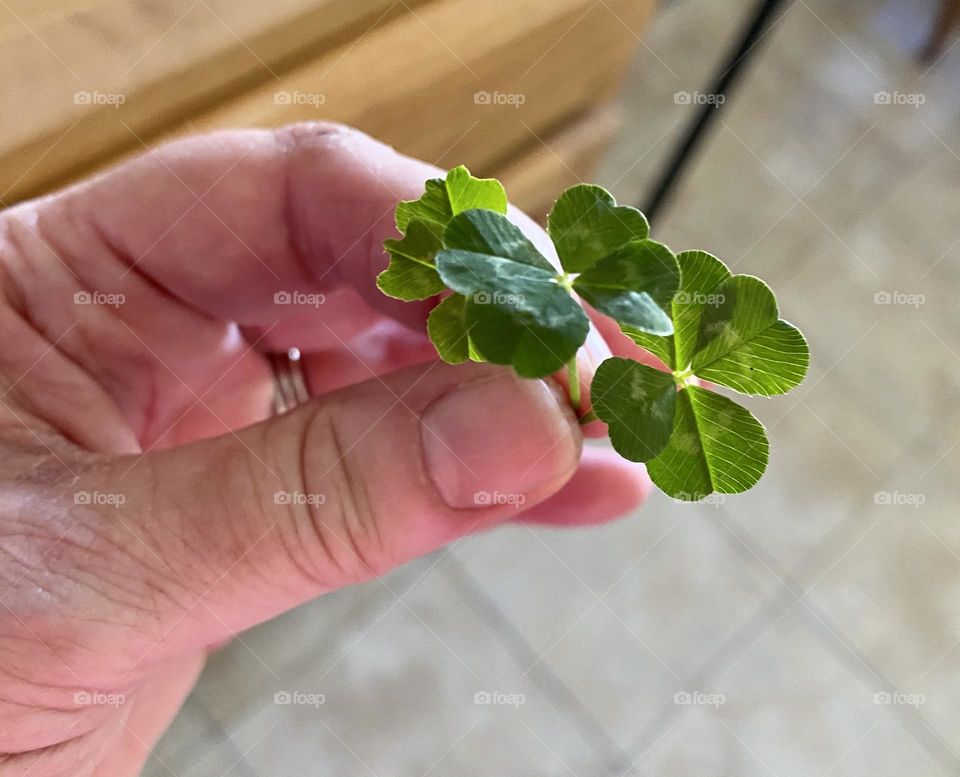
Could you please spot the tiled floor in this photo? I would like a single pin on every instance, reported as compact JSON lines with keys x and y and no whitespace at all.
{"x":814,"y":631}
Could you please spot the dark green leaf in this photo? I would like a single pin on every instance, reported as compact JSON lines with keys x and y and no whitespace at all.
{"x":637,"y":404}
{"x":700,"y":274}
{"x":516,"y":311}
{"x":486,"y":232}
{"x":586,"y":224}
{"x":634,"y":285}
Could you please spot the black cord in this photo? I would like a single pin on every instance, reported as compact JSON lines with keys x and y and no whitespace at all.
{"x":710,"y":110}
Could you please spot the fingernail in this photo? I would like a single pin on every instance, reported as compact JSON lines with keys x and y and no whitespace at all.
{"x":499,"y":441}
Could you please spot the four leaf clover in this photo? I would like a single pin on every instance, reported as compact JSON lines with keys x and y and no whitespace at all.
{"x":509,"y":305}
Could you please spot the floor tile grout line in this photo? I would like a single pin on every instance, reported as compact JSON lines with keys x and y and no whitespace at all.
{"x":511,"y":637}
{"x":751,"y":628}
{"x":289,"y":671}
{"x":830,"y":635}
{"x":216,"y":733}
{"x":702,"y":677}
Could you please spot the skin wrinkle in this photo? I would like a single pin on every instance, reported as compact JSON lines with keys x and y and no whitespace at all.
{"x":76,"y":371}
{"x":124,"y":364}
{"x":363,"y":537}
{"x":329,"y":558}
{"x":299,"y":249}
{"x":175,"y":538}
{"x":10,"y":287}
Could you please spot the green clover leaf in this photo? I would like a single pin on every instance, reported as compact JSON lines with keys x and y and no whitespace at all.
{"x":444,"y":198}
{"x":716,"y":445}
{"x":516,"y":311}
{"x":727,"y":330}
{"x":586,"y":224}
{"x":510,"y":306}
{"x":447,"y":328}
{"x":638,"y":403}
{"x":744,"y":345}
{"x":412,"y":273}
{"x":634,"y":285}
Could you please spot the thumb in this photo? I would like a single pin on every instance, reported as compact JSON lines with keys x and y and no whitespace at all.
{"x":242,"y":527}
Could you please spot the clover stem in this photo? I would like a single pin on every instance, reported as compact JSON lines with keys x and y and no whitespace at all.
{"x":573,"y":378}
{"x":681,"y":378}
{"x":565,"y":280}
{"x":587,"y":417}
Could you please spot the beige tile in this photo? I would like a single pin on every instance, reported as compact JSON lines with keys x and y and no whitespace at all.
{"x":813,"y":486}
{"x":680,"y":53}
{"x":626,"y":613}
{"x":704,"y":744}
{"x":779,"y":107}
{"x":402,"y":699}
{"x":216,"y":759}
{"x":787,"y":706}
{"x":895,"y":593}
{"x":192,"y":733}
{"x":318,"y":633}
{"x":727,"y":203}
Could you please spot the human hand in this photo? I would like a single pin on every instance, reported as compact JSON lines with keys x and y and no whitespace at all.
{"x":149,"y":508}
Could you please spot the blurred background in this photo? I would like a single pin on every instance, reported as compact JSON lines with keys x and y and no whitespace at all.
{"x":810,"y":627}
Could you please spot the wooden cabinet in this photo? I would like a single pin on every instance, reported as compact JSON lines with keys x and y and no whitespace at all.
{"x":517,"y":88}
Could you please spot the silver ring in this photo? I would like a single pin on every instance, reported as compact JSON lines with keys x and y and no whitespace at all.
{"x":289,"y":382}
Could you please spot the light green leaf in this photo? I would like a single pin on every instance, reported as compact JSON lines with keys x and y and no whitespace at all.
{"x":586,"y":224}
{"x":771,"y":362}
{"x":445,"y":198}
{"x":447,"y":328}
{"x":634,"y":285}
{"x":716,"y":445}
{"x":700,"y":274}
{"x":661,"y":347}
{"x":743,"y":345}
{"x":637,"y":404}
{"x":411,"y":274}
{"x":516,"y":311}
